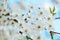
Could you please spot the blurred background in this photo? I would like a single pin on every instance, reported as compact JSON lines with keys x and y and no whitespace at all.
{"x":46,"y":4}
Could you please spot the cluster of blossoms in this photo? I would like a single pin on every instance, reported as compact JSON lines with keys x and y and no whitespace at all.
{"x":24,"y":22}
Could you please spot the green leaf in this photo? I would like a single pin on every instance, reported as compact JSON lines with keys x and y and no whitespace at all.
{"x":53,"y":14}
{"x":52,"y":11}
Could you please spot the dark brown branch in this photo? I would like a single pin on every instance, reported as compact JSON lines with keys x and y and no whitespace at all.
{"x":54,"y":32}
{"x":57,"y":18}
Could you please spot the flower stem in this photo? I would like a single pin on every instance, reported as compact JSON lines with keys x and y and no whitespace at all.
{"x":51,"y":33}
